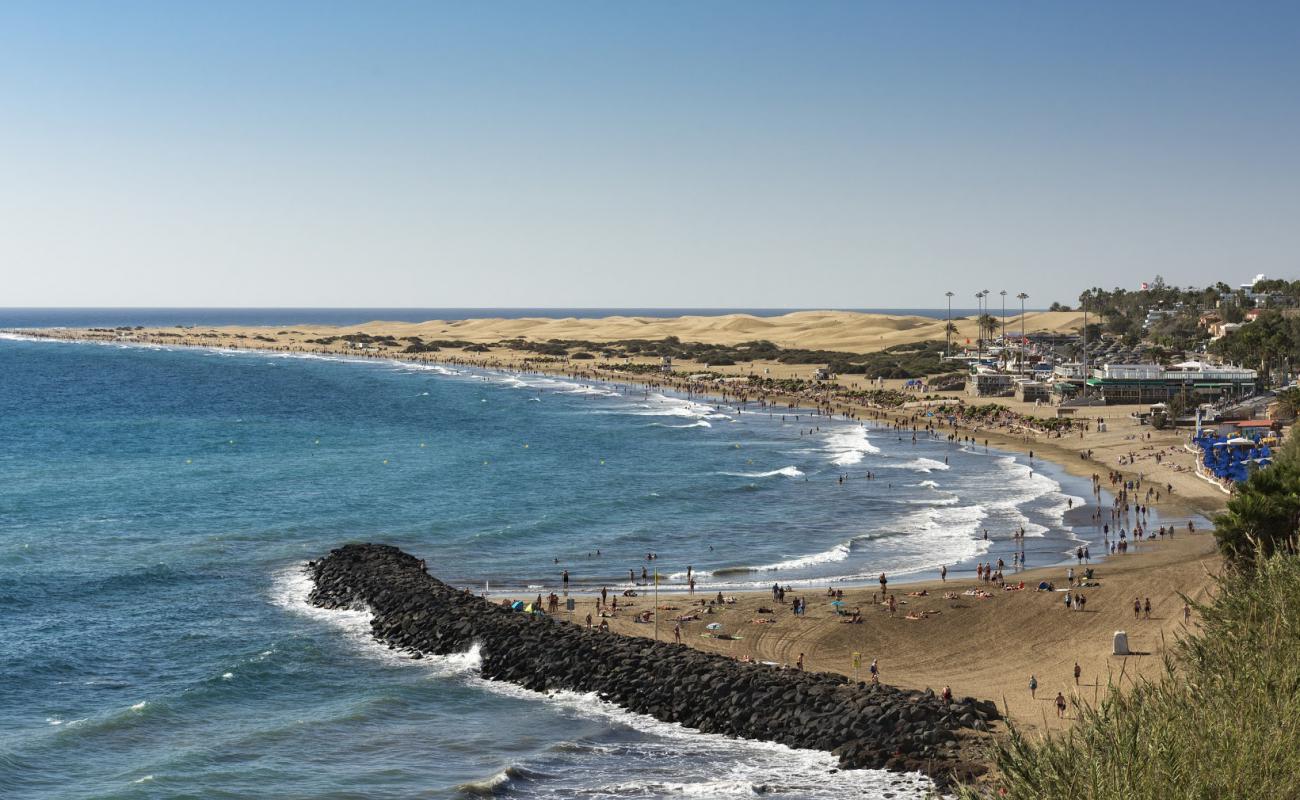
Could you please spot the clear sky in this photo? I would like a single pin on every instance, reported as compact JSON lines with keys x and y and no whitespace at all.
{"x":804,"y":154}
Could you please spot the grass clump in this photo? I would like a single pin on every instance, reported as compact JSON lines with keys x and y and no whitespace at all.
{"x":1222,"y":722}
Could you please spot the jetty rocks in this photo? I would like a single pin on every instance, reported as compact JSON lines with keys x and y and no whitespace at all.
{"x":864,"y":725}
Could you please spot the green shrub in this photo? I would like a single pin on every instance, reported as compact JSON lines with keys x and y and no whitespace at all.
{"x":1264,"y":512}
{"x":1222,"y":722}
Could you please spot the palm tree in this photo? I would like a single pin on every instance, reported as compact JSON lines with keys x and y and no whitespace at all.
{"x":987,"y":324}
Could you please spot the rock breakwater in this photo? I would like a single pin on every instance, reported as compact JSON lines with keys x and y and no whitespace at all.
{"x":865,"y":725}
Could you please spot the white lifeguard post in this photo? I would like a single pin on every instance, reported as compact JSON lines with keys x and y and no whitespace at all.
{"x":1121,"y":644}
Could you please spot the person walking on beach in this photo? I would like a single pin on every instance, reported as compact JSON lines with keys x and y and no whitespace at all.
{"x":1033,"y":679}
{"x":799,"y":664}
{"x":1137,"y":608}
{"x":1077,"y":672}
{"x":677,"y":633}
{"x":1187,"y":614}
{"x":1146,"y":609}
{"x":565,"y":578}
{"x":875,"y":670}
{"x":883,"y":583}
{"x":1060,"y":706}
{"x":943,"y":573}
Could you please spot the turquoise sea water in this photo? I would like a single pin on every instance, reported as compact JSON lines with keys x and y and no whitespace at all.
{"x":156,"y":504}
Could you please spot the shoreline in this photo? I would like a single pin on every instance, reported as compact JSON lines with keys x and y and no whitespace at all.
{"x":981,"y":647}
{"x":984,"y":646}
{"x":882,"y":421}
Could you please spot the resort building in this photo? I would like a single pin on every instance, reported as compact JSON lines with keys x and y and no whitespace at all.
{"x":1195,"y":381}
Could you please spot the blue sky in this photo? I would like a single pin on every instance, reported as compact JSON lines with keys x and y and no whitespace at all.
{"x":655,"y":154}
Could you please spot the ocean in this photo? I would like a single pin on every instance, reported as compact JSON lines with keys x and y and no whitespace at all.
{"x":157,"y":504}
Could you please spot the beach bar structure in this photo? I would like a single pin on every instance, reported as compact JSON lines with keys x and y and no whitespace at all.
{"x":985,"y":382}
{"x":1030,"y":391}
{"x":1197,"y":382}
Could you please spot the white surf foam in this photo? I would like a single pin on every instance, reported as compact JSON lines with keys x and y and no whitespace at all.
{"x":738,"y":767}
{"x":659,"y":405}
{"x":789,"y":472}
{"x":849,"y":445}
{"x":289,"y":590}
{"x":1020,"y":488}
{"x":926,"y":465}
{"x":735,"y":767}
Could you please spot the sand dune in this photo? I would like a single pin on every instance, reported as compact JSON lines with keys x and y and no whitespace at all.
{"x":830,"y":330}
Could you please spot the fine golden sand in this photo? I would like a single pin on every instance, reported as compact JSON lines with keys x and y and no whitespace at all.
{"x":984,"y":647}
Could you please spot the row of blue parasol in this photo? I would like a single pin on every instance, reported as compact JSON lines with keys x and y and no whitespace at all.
{"x":1232,"y":458}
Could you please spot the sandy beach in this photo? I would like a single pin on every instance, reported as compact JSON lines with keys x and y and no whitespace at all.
{"x":981,"y":646}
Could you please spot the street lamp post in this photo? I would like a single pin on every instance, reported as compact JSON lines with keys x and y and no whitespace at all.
{"x":979,"y":326}
{"x":1084,"y":303}
{"x":1004,"y":327}
{"x":985,"y":311}
{"x":1022,"y":297}
{"x":947,"y":329}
